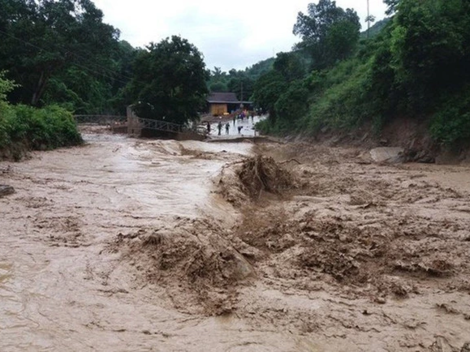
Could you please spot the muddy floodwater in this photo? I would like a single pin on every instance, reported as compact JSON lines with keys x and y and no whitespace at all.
{"x":143,"y":245}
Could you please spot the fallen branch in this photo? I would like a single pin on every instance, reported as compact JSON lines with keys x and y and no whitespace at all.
{"x":288,"y":161}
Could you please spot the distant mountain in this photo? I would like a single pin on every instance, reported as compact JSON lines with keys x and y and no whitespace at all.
{"x":259,"y":68}
{"x":376,"y":28}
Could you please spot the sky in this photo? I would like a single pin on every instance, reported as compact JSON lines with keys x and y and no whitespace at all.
{"x":234,"y":34}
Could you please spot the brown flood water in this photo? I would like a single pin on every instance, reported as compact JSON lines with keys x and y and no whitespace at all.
{"x":61,"y":290}
{"x":57,"y":293}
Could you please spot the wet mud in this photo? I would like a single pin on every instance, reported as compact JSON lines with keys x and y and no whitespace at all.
{"x":140,"y":245}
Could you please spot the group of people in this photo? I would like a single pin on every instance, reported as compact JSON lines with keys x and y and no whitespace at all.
{"x":238,"y":120}
{"x":220,"y":126}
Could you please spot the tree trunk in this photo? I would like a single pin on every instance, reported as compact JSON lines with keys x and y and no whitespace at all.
{"x":41,"y":87}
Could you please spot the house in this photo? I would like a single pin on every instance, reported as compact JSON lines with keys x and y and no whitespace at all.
{"x":220,"y":103}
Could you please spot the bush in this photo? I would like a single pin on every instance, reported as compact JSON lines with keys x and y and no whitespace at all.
{"x":451,"y":123}
{"x":23,"y":128}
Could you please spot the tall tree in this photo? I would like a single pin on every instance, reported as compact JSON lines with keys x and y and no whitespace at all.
{"x":240,"y":84}
{"x":169,"y":81}
{"x":218,"y":80}
{"x":430,"y":48}
{"x":329,"y":33}
{"x":392,"y":6}
{"x":45,"y":41}
{"x":267,"y":90}
{"x":290,"y":66}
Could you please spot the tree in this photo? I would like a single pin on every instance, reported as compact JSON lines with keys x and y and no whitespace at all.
{"x":267,"y":90}
{"x":42,"y":40}
{"x":240,"y":84}
{"x":281,"y":91}
{"x":218,"y":87}
{"x":369,"y":19}
{"x":290,"y":66}
{"x":259,"y":68}
{"x":328,"y":32}
{"x":293,"y":103}
{"x":392,"y":6}
{"x":169,"y":81}
{"x":218,"y":80}
{"x":430,"y":48}
{"x":5,"y":86}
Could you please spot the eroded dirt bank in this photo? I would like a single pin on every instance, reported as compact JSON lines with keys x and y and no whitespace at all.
{"x":127,"y":245}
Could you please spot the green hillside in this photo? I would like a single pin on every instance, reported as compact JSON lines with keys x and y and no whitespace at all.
{"x":417,"y":66}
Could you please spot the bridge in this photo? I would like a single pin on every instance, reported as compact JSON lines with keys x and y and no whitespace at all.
{"x":134,"y":125}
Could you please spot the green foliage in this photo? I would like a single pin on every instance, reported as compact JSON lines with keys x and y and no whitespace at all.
{"x":239,"y":82}
{"x":342,"y":101}
{"x":290,"y":66}
{"x":169,"y":81}
{"x":282,"y":92}
{"x":375,"y":29}
{"x":268,"y":88}
{"x":292,"y":104}
{"x":218,"y":87}
{"x":418,"y":65}
{"x":295,"y":102}
{"x":429,"y":45}
{"x":259,"y":68}
{"x":392,"y":5}
{"x":58,"y":50}
{"x":6,"y":86}
{"x":25,"y":128}
{"x":450,"y":125}
{"x":329,"y":33}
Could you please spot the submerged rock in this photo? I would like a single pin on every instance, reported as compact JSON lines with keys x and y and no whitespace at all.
{"x":388,"y":155}
{"x":6,"y":190}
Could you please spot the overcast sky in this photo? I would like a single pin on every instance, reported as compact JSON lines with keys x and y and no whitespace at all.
{"x":230,"y":34}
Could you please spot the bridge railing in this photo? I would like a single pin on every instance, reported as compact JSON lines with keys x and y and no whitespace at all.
{"x":143,"y":123}
{"x":160,"y":125}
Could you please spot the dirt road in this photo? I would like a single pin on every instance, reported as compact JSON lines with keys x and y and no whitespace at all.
{"x":129,"y":245}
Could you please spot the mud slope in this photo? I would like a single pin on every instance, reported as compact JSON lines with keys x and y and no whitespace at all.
{"x":363,"y":257}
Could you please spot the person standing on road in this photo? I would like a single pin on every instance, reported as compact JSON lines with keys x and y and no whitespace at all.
{"x":227,"y":127}
{"x":208,"y":127}
{"x":239,"y":129}
{"x":219,"y":127}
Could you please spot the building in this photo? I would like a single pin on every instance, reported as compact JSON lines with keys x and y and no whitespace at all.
{"x":220,"y":103}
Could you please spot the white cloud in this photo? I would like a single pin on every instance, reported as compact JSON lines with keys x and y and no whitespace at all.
{"x":229,"y":34}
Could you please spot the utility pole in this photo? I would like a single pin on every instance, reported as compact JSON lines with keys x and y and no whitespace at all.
{"x":368,"y":19}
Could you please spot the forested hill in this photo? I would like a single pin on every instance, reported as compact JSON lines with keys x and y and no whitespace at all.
{"x":417,"y":67}
{"x":375,"y":29}
{"x":61,"y":52}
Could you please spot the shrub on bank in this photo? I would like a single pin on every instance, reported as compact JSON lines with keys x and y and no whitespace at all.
{"x":451,"y":123}
{"x":23,"y":128}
